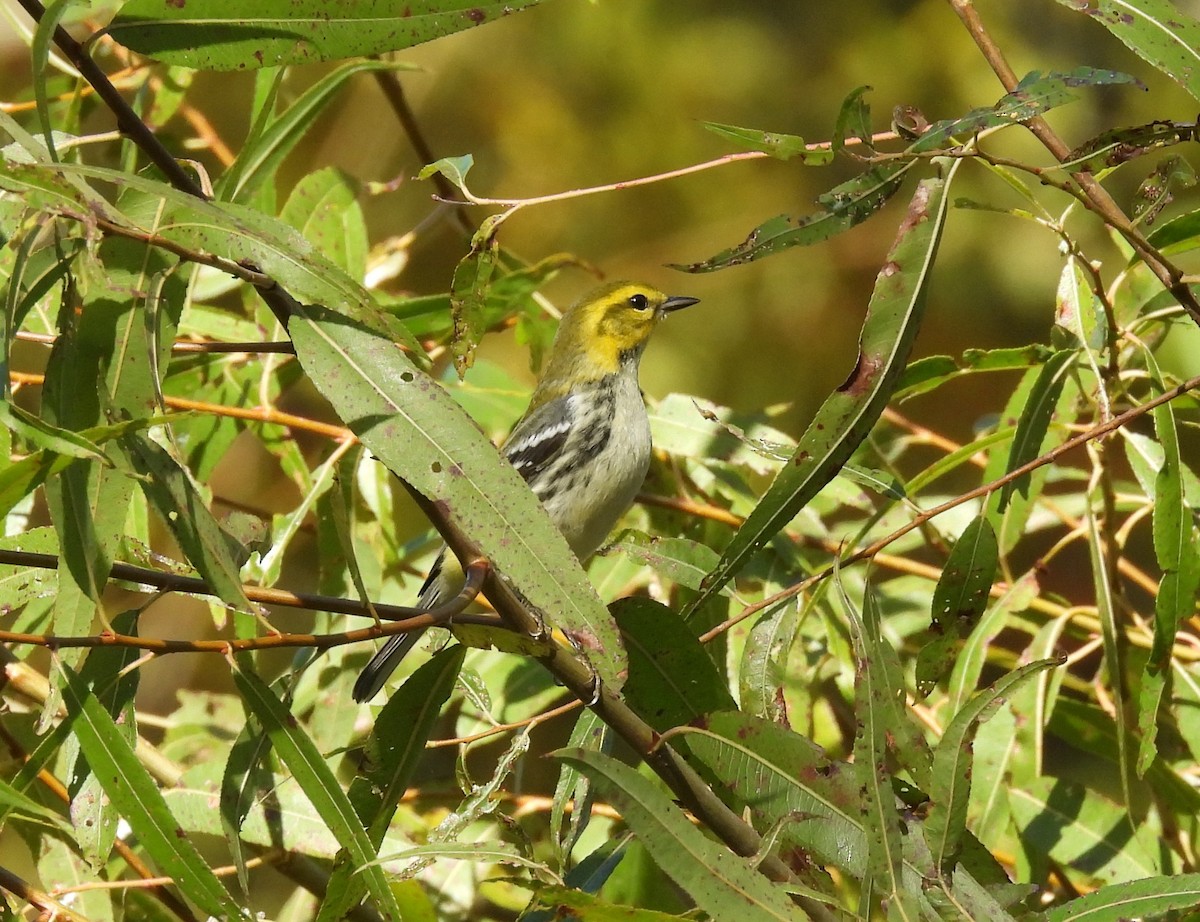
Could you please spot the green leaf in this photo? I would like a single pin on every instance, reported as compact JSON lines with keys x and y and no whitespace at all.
{"x":1082,"y":830}
{"x":21,"y":584}
{"x":1035,"y":421}
{"x":681,"y":560}
{"x":842,"y":208}
{"x":308,"y":766}
{"x":783,"y":146}
{"x":1157,"y":31}
{"x":225,"y":35}
{"x":569,"y":903}
{"x":259,"y":159}
{"x":137,"y":798}
{"x":324,"y":207}
{"x":764,"y":662}
{"x":1036,"y":94}
{"x":723,"y":885}
{"x":248,"y":778}
{"x":171,"y":490}
{"x":849,"y":414}
{"x":672,"y":680}
{"x":1172,"y":175}
{"x":1175,"y":550}
{"x":18,"y":806}
{"x":1111,"y":630}
{"x":878,"y":710}
{"x":853,"y":120}
{"x":778,"y":775}
{"x":1119,"y":145}
{"x":394,"y":748}
{"x":959,"y":599}
{"x":468,"y":294}
{"x":1138,"y":899}
{"x":410,"y":424}
{"x":238,"y":233}
{"x":47,"y":437}
{"x":968,"y":666}
{"x":454,"y":169}
{"x":23,"y":477}
{"x":574,"y":787}
{"x":952,"y":764}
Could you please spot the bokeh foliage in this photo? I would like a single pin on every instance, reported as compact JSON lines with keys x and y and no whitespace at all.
{"x":923,"y":646}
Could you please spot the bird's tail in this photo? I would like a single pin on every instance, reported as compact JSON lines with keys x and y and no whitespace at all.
{"x":376,"y":672}
{"x":444,"y":581}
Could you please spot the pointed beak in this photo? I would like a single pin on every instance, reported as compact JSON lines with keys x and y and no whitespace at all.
{"x":676,"y":303}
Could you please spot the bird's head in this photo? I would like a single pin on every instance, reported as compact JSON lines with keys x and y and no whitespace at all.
{"x":608,"y":329}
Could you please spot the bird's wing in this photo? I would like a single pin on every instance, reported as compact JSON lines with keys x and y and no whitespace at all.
{"x":539,"y":437}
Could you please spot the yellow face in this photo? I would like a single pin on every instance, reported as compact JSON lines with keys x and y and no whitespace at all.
{"x":613,"y":323}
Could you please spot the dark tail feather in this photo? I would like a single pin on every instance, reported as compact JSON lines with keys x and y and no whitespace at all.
{"x":382,"y":664}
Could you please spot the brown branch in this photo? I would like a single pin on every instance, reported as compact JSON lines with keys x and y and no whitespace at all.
{"x":50,"y":907}
{"x":1167,"y":273}
{"x":402,"y":619}
{"x":254,"y":414}
{"x":183,"y":346}
{"x":393,"y":92}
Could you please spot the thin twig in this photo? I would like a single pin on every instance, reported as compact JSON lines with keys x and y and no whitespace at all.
{"x":402,"y":619}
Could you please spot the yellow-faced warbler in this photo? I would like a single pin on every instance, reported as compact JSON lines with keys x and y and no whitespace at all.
{"x":583,"y":444}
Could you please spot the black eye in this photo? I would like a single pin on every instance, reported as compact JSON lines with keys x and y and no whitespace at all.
{"x":638,"y":302}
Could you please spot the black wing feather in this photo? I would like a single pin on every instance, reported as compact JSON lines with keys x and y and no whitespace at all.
{"x":539,"y":437}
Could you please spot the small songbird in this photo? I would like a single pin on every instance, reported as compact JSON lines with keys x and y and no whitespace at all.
{"x":582,"y":445}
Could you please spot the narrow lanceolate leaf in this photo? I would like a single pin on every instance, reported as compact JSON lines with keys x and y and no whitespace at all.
{"x":393,"y":749}
{"x":959,"y":599}
{"x":783,"y":146}
{"x":468,"y":294}
{"x":311,"y":771}
{"x":842,"y":208}
{"x":575,"y":788}
{"x":138,"y":799}
{"x":1103,"y":580}
{"x":412,"y":425}
{"x":223,"y":229}
{"x":1035,"y":420}
{"x":173,"y":493}
{"x":1035,"y":94}
{"x":258,"y":160}
{"x":248,"y":776}
{"x":875,"y":713}
{"x":1137,"y":899}
{"x":228,"y":35}
{"x":1083,"y":831}
{"x":782,"y":777}
{"x":36,"y":431}
{"x":764,"y":662}
{"x":1158,"y":31}
{"x":848,"y":414}
{"x":951,"y":789}
{"x":723,"y":885}
{"x":1175,"y":549}
{"x":672,"y":679}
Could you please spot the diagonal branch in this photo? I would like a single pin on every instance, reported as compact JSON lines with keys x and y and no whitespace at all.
{"x":1170,"y":275}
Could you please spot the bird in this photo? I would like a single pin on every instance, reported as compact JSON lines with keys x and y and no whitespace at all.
{"x":582,"y":445}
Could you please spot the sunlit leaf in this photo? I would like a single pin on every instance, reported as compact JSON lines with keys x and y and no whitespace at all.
{"x":225,"y":35}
